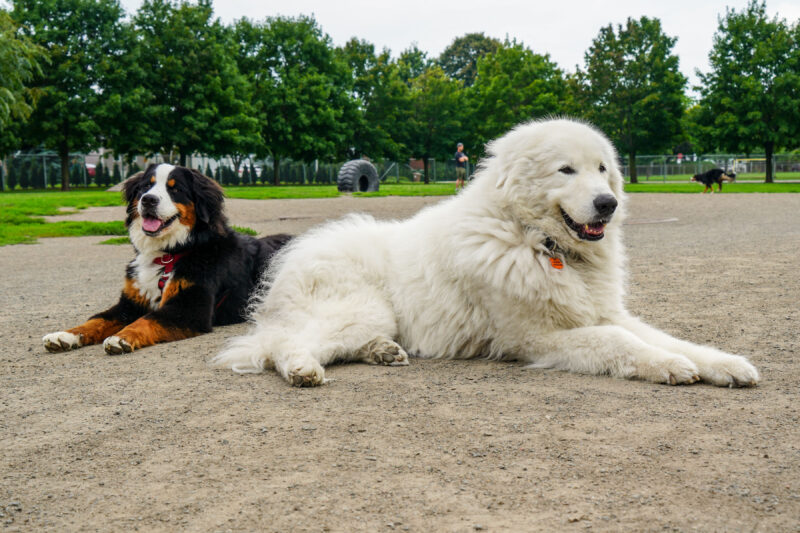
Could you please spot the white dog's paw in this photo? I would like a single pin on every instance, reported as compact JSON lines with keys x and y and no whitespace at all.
{"x":305,"y":373}
{"x":383,"y":351}
{"x":726,"y":370}
{"x":672,"y":369}
{"x":61,"y":341}
{"x":114,"y":346}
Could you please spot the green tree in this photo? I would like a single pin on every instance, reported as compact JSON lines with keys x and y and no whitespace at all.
{"x":382,"y":98}
{"x":513,"y":85}
{"x":300,"y":86}
{"x":77,"y":35}
{"x":413,"y":62}
{"x":460,"y":59}
{"x":208,"y":172}
{"x":75,"y":175}
{"x":253,"y":174}
{"x":99,"y":173}
{"x":751,"y":95}
{"x":12,"y":176}
{"x":201,"y":99}
{"x":632,"y":87}
{"x":116,"y":176}
{"x":20,"y":58}
{"x":436,"y":103}
{"x":25,"y":175}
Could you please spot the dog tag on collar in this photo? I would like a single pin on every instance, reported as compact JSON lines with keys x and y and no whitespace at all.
{"x":556,"y":263}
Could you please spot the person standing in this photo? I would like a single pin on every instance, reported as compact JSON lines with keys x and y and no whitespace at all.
{"x":461,"y":166}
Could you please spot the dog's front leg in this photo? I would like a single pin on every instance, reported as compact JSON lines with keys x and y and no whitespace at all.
{"x":715,"y":366}
{"x":186,"y":310}
{"x":611,"y":350}
{"x":97,"y":328}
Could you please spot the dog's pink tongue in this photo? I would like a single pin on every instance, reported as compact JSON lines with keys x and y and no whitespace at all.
{"x":151,"y":224}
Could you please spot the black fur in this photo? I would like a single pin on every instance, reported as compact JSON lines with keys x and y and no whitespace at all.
{"x":715,"y":175}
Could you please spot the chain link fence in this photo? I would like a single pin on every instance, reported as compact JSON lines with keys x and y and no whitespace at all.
{"x":41,"y":170}
{"x":682,"y":167}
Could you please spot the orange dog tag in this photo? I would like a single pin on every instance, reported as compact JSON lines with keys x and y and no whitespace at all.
{"x":556,"y":263}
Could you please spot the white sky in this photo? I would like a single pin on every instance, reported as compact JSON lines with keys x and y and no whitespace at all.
{"x":562,"y":28}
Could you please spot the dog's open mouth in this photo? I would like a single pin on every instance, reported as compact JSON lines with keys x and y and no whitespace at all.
{"x":152,"y":226}
{"x":589,"y":232}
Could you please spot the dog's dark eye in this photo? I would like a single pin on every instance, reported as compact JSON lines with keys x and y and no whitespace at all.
{"x":602,"y":167}
{"x":566,"y":169}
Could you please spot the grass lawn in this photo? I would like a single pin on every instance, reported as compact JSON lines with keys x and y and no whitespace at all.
{"x":751,"y":176}
{"x":21,"y":212}
{"x":696,"y":188}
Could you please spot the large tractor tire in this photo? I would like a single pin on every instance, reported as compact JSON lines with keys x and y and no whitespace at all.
{"x":358,"y":175}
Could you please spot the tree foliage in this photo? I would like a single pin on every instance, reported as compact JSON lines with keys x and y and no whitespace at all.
{"x":77,"y":34}
{"x":382,"y":98}
{"x":435,"y":124}
{"x":751,"y":96}
{"x":201,"y":99}
{"x":632,"y":89}
{"x":513,"y":85}
{"x":460,"y":59}
{"x":300,"y":88}
{"x":19,"y":62}
{"x":172,"y":79}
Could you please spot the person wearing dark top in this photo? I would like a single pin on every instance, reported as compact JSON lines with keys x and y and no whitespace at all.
{"x":461,"y":166}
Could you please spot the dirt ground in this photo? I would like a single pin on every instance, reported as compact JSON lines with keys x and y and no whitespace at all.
{"x":158,"y":441}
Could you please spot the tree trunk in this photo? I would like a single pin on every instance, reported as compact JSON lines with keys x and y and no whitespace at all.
{"x":63,"y":156}
{"x":425,"y":167}
{"x":632,"y":167}
{"x":183,"y":157}
{"x":276,"y":170}
{"x":768,"y":148}
{"x":237,"y":162}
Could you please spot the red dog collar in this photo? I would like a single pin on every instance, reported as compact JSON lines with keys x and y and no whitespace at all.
{"x":168,"y":261}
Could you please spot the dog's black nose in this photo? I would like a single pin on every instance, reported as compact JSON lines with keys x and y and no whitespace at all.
{"x":605,"y":204}
{"x":149,"y":200}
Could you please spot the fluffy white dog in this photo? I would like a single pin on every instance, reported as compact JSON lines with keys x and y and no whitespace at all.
{"x":526,"y":264}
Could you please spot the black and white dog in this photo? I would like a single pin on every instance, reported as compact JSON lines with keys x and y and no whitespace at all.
{"x":191,"y":270}
{"x":715,"y":175}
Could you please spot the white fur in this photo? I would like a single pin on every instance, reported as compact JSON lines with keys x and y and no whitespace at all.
{"x":471,"y":277}
{"x":61,"y":341}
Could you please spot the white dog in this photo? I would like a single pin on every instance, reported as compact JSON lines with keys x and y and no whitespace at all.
{"x":526,"y":264}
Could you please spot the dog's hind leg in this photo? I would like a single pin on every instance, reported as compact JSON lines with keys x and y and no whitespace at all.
{"x":300,"y":342}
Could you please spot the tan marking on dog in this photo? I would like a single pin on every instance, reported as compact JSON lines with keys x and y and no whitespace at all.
{"x":132,"y":293}
{"x":95,"y":330}
{"x":188,"y":216}
{"x":173,"y":288}
{"x":147,"y":332}
{"x":171,"y":183}
{"x":152,"y":179}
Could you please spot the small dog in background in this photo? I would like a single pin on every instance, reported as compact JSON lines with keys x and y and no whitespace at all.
{"x":191,"y":270}
{"x":715,"y":175}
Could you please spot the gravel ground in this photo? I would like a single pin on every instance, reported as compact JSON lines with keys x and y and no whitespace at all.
{"x":157,"y":441}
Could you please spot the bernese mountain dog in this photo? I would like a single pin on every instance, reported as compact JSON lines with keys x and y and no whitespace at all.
{"x":715,"y":175}
{"x":191,"y":270}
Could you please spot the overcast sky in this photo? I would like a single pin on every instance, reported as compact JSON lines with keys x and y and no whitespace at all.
{"x":562,"y":28}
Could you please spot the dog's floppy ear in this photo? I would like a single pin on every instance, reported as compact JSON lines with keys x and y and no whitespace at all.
{"x":208,"y":200}
{"x":130,"y":187}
